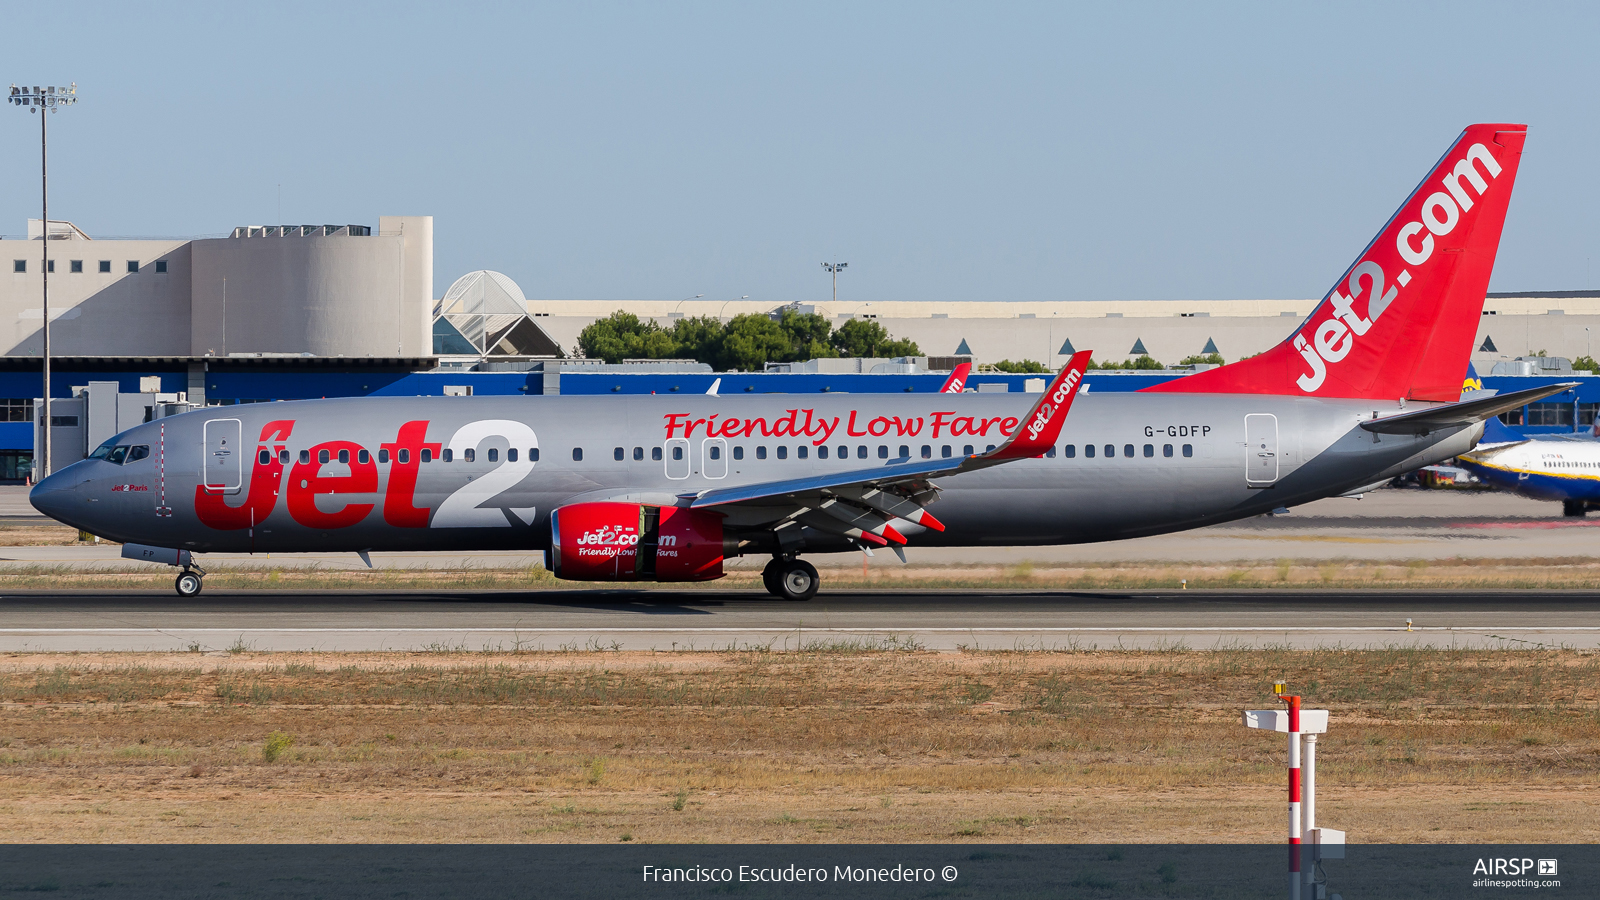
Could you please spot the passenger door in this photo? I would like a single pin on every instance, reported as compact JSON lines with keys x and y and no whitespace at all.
{"x":224,"y":456}
{"x":714,"y":458}
{"x":1260,"y":450}
{"x":677,"y":458}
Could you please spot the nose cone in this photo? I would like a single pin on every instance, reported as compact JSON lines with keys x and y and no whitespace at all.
{"x":57,"y":497}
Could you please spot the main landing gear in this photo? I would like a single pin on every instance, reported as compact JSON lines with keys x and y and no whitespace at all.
{"x":790,"y":578}
{"x":189,"y":582}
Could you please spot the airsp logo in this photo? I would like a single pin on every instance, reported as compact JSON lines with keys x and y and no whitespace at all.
{"x":1503,"y":866}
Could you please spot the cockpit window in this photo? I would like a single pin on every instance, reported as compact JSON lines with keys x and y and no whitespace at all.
{"x":119,"y":454}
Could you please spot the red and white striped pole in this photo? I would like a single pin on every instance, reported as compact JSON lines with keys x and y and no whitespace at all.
{"x":1294,"y":791}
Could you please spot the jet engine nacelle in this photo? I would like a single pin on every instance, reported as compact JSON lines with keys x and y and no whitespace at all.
{"x":634,"y":542}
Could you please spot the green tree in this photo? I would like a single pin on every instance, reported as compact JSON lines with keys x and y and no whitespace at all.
{"x":623,"y":335}
{"x":1143,"y":362}
{"x":751,"y":341}
{"x":699,"y":338}
{"x":1021,"y":367}
{"x":808,"y":336}
{"x":864,"y":337}
{"x":1586,"y":363}
{"x":1214,"y":359}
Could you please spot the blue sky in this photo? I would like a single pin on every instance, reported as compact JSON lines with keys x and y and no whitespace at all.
{"x":946,"y":151}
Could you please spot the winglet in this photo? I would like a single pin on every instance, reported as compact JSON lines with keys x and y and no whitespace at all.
{"x":712,"y":391}
{"x":1042,"y":425}
{"x":957,"y":382}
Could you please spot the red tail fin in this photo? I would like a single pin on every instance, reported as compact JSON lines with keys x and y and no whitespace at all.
{"x":957,"y":380}
{"x":1401,"y":321}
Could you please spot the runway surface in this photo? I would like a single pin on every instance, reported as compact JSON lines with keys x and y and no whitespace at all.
{"x":704,"y":620}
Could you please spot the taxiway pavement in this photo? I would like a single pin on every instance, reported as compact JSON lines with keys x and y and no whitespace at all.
{"x":678,"y":619}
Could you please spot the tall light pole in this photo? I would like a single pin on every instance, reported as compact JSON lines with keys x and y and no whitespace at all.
{"x":726,"y":302}
{"x":833,"y":269}
{"x":44,"y":100}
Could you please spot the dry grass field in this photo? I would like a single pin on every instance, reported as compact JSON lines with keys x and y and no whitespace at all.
{"x":832,"y":744}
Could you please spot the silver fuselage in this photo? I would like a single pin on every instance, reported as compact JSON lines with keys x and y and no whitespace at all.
{"x":1290,"y":451}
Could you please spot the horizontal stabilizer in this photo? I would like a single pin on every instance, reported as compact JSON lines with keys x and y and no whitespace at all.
{"x":1458,"y":415}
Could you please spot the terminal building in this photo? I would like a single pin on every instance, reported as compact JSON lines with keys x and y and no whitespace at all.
{"x":302,"y":311}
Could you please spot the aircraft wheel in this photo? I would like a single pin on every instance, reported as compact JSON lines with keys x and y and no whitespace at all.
{"x":1574,"y":508}
{"x":770,"y":576}
{"x":188,"y":585}
{"x":798,"y":580}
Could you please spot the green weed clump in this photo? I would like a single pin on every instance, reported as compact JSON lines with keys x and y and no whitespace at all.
{"x":276,"y":743}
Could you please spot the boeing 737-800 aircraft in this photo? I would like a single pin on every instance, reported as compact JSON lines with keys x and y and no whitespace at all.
{"x":667,"y":488}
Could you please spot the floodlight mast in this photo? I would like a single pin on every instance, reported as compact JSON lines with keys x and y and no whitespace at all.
{"x":833,"y":269}
{"x":44,"y":100}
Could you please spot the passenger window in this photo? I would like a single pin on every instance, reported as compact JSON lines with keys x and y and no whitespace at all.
{"x":1111,"y":450}
{"x":469,"y":454}
{"x":989,"y":448}
{"x":344,"y":456}
{"x":1166,"y":449}
{"x":405,"y":456}
{"x":577,"y":454}
{"x":1069,"y":451}
{"x":716,"y":452}
{"x":511,"y":454}
{"x":616,"y":454}
{"x":761,"y":453}
{"x":861,"y":452}
{"x":494,"y":454}
{"x":1188,"y":449}
{"x":322,"y":456}
{"x":638,"y":454}
{"x":944,"y":452}
{"x":927,"y":452}
{"x":738,"y":453}
{"x":801,"y":451}
{"x":265,"y":457}
{"x":533,"y":454}
{"x":783,"y":452}
{"x":883,"y":451}
{"x":1051,"y":453}
{"x":305,"y":457}
{"x":1149,"y":450}
{"x":1127,"y":450}
{"x":283,"y":457}
{"x":1088,"y":451}
{"x":383,"y":454}
{"x":905,"y":452}
{"x":655,"y":454}
{"x":844,"y":452}
{"x":822,"y":452}
{"x":138,"y":452}
{"x":966,"y":450}
{"x":677,"y":452}
{"x":449,"y":455}
{"x":427,"y":455}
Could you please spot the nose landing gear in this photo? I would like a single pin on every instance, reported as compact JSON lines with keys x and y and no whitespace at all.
{"x":189,"y":582}
{"x":790,"y":578}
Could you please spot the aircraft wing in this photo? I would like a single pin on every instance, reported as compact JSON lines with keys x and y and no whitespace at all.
{"x":1456,"y":415}
{"x":858,"y":503}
